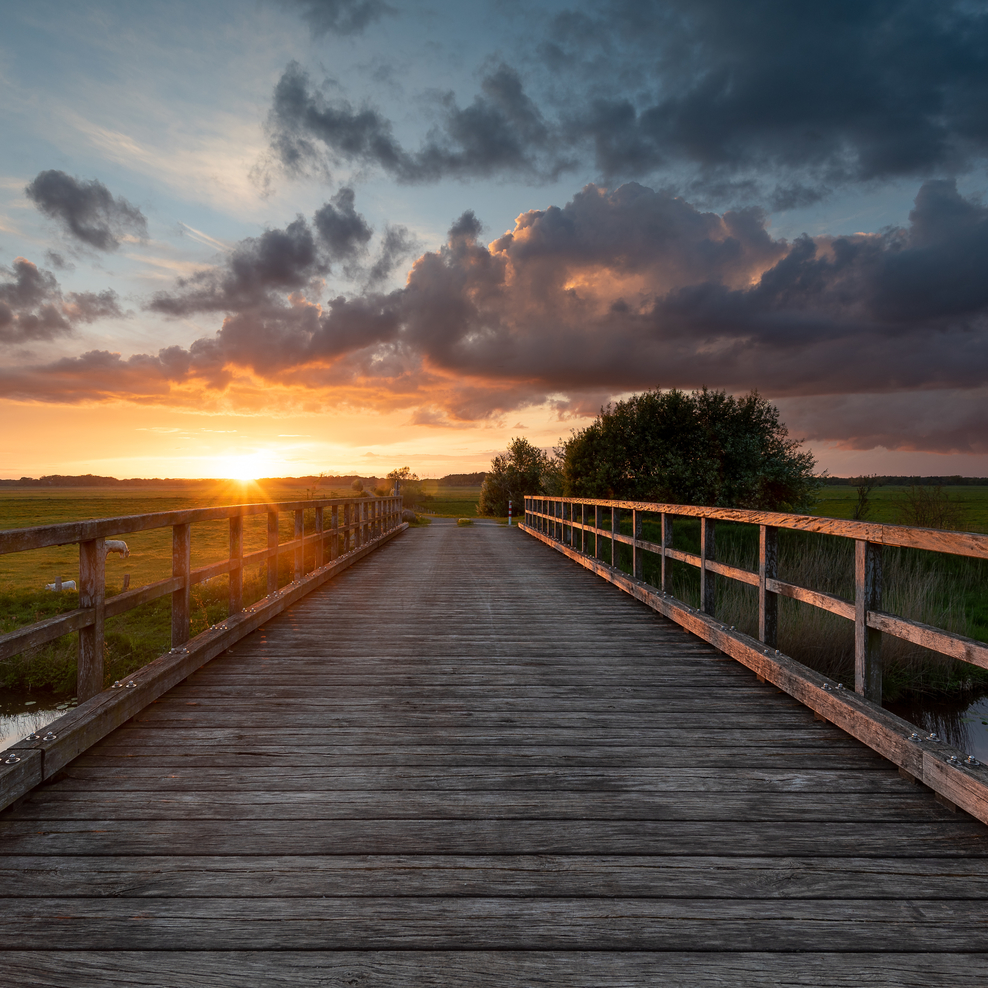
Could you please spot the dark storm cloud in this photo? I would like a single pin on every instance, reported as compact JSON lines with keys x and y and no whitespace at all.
{"x":848,"y":90}
{"x":941,"y":421}
{"x":87,"y":210}
{"x":339,"y":16}
{"x":625,"y":290}
{"x":776,"y":100}
{"x":276,"y":261}
{"x":33,"y":307}
{"x":344,"y":231}
{"x":501,"y":131}
{"x":397,"y":245}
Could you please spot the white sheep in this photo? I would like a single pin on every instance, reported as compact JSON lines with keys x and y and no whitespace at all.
{"x":66,"y":585}
{"x":117,"y":545}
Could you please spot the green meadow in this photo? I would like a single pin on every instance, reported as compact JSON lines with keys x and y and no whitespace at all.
{"x":449,"y":502}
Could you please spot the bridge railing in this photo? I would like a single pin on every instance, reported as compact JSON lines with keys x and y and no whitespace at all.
{"x":352,"y":522}
{"x":345,"y":530}
{"x":574,"y":524}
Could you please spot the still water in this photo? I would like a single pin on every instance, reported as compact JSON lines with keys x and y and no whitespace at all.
{"x":25,"y":713}
{"x":963,"y":724}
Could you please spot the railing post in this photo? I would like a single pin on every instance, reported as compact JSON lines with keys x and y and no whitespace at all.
{"x":583,"y":529}
{"x":708,"y":586}
{"x":637,"y":556}
{"x":273,"y":545}
{"x":867,"y":641}
{"x":92,"y":594}
{"x":768,"y":569}
{"x":299,"y":554}
{"x":334,"y":529}
{"x":320,"y":540}
{"x":181,"y":566}
{"x":596,"y":531}
{"x":666,"y":543}
{"x":236,"y":565}
{"x":615,"y":528}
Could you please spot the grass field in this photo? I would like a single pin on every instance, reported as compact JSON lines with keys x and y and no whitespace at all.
{"x":449,"y":502}
{"x":887,"y":504}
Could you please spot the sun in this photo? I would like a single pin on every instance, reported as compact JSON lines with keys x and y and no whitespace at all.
{"x":245,"y":466}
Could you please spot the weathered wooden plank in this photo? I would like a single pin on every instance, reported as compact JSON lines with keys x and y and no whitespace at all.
{"x":328,"y":778}
{"x":812,"y":738}
{"x":386,"y":717}
{"x":41,"y":632}
{"x":451,"y":805}
{"x":956,"y":837}
{"x":371,"y":923}
{"x":627,"y":876}
{"x":780,"y":758}
{"x":511,"y":969}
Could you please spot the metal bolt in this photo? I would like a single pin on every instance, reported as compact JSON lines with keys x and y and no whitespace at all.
{"x":50,"y":736}
{"x":33,"y":737}
{"x":826,"y":686}
{"x":915,"y":737}
{"x":933,"y":736}
{"x":954,"y":760}
{"x":840,"y":686}
{"x":131,"y":685}
{"x":117,"y":685}
{"x":971,"y":760}
{"x":12,"y":760}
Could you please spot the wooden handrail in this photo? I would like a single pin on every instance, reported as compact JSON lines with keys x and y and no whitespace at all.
{"x":364,"y":520}
{"x":556,"y":518}
{"x":959,"y":779}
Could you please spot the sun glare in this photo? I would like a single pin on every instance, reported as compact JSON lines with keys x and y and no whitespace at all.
{"x":245,"y":466}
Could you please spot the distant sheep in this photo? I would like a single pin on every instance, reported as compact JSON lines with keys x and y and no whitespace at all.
{"x":117,"y":545}
{"x":66,"y":585}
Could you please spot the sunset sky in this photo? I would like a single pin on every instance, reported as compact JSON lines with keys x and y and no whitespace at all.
{"x":300,"y":236}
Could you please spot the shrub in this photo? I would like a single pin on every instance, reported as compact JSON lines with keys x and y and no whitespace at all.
{"x":707,"y":448}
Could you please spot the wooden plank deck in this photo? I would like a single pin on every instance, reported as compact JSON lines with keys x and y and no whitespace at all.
{"x":469,"y":761}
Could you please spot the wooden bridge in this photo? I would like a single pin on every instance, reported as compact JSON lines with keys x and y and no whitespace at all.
{"x":467,"y":760}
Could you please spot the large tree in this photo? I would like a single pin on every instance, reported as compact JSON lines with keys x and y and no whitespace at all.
{"x":707,"y":448}
{"x":523,"y":469}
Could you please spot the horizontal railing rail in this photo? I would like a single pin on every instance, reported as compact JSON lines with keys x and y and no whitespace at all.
{"x":345,"y":530}
{"x":570,"y":524}
{"x":353,"y":522}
